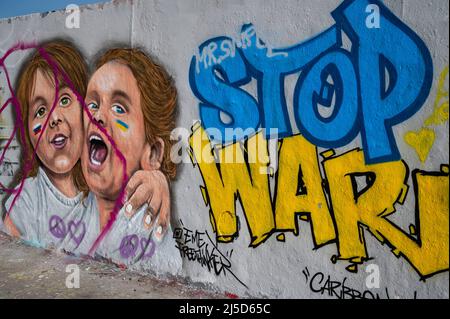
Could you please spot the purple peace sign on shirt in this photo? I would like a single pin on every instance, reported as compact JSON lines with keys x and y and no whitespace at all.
{"x":75,"y":229}
{"x":131,"y":243}
{"x":57,"y":226}
{"x":128,"y":246}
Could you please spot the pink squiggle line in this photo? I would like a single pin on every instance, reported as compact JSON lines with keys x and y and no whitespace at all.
{"x":19,"y":121}
{"x":5,"y":104}
{"x":28,"y":166}
{"x":119,"y":200}
{"x":57,"y":71}
{"x":10,"y":138}
{"x":2,"y":157}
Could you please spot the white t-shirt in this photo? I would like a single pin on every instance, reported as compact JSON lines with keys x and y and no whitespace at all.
{"x":45,"y":217}
{"x":40,"y":211}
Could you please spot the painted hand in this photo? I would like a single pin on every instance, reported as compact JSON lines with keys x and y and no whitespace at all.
{"x":149,"y":187}
{"x":11,"y":228}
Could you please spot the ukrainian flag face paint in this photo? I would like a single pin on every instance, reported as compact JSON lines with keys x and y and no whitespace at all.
{"x":114,"y":99}
{"x":122,"y":125}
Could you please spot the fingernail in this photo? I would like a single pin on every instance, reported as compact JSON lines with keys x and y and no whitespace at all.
{"x":129,"y":208}
{"x":159,"y":232}
{"x":148,"y":220}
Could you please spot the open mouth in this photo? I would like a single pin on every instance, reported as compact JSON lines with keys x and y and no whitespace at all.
{"x":98,"y":151}
{"x":59,"y":141}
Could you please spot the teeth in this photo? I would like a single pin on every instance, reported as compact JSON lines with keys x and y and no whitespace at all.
{"x":93,"y":161}
{"x":59,"y":139}
{"x":94,"y":137}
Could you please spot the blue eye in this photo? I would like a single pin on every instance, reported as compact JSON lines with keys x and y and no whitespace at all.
{"x":118,"y":109}
{"x":92,"y":106}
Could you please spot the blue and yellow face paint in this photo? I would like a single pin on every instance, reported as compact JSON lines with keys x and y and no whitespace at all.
{"x":37,"y":128}
{"x":122,"y":125}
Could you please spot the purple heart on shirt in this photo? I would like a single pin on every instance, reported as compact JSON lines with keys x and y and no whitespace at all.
{"x":148,"y":247}
{"x":74,"y":231}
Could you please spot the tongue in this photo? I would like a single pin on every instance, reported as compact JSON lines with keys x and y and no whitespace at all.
{"x":99,"y":153}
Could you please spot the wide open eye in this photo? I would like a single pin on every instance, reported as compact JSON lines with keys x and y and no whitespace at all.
{"x":92,"y":106}
{"x":118,"y":109}
{"x":40,"y":112}
{"x":65,"y":101}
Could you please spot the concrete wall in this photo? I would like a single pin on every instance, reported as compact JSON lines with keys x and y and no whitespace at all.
{"x":268,"y":250}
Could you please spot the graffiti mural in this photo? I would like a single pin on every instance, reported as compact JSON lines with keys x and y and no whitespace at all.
{"x":95,"y":170}
{"x":364,"y":103}
{"x":423,"y":140}
{"x":282,"y":149}
{"x":367,"y":90}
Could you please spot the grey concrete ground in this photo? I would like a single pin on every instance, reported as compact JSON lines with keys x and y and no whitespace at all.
{"x":30,"y":272}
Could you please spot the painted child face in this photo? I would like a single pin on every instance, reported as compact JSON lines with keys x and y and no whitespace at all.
{"x":113,"y":99}
{"x":62,"y":140}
